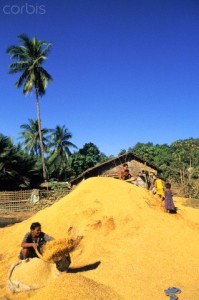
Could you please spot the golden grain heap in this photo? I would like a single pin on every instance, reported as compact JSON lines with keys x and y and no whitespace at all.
{"x":130,"y":249}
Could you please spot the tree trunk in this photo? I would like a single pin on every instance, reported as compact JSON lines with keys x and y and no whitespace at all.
{"x":40,"y":135}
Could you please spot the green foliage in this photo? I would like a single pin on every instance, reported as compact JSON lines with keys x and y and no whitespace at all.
{"x":20,"y":165}
{"x":55,"y":185}
{"x":190,"y":189}
{"x":30,"y":137}
{"x":17,"y":168}
{"x":59,"y":145}
{"x":86,"y":157}
{"x":146,"y":151}
{"x":179,"y":161}
{"x":122,"y":151}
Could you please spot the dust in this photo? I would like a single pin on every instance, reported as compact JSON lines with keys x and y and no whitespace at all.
{"x":55,"y":250}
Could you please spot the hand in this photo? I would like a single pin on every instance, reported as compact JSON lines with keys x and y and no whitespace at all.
{"x":35,"y":245}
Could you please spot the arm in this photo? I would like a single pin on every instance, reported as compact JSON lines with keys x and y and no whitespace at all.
{"x":29,"y":245}
{"x":44,"y":239}
{"x":27,"y":242}
{"x":47,"y":237}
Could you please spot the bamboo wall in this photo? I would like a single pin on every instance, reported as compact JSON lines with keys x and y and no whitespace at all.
{"x":18,"y":201}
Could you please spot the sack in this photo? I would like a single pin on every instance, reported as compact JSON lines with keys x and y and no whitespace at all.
{"x":154,"y":190}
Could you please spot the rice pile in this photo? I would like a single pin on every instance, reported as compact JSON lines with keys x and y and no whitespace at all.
{"x":130,"y":249}
{"x":69,"y":286}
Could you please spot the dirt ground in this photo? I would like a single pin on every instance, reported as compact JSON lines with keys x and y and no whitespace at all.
{"x":194,"y":203}
{"x":17,"y":217}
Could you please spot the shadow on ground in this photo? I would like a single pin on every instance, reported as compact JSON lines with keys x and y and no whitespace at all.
{"x":84,"y":268}
{"x":10,"y":219}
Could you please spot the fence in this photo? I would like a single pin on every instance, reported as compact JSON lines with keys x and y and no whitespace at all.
{"x":19,"y":201}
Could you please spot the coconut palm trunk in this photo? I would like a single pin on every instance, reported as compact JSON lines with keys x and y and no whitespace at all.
{"x":40,"y":135}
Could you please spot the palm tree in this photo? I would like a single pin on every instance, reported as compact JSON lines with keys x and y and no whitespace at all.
{"x":7,"y":158}
{"x":17,"y":168}
{"x":30,"y":134}
{"x":29,"y":57}
{"x":61,"y":148}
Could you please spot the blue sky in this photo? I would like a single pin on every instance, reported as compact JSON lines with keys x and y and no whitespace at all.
{"x":125,"y":71}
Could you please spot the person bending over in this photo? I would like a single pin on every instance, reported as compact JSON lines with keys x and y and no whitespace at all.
{"x":34,"y":239}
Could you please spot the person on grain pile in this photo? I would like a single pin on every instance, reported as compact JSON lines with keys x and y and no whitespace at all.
{"x":159,"y":187}
{"x":168,"y":199}
{"x":127,"y":175}
{"x":123,"y":171}
{"x":34,"y":239}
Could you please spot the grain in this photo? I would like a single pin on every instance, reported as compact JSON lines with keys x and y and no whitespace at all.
{"x":130,"y":249}
{"x":55,"y":250}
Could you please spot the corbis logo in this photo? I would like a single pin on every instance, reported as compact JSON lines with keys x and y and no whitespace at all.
{"x":26,"y":8}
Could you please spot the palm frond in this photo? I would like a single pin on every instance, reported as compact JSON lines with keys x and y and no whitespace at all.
{"x":18,"y":67}
{"x":46,"y":50}
{"x":28,"y":86}
{"x":25,"y":41}
{"x":22,"y":79}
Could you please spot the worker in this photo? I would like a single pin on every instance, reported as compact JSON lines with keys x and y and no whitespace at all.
{"x":34,"y":239}
{"x":122,"y":171}
{"x":159,"y":187}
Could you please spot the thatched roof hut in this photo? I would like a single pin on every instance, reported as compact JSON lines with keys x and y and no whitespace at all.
{"x":111,"y":168}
